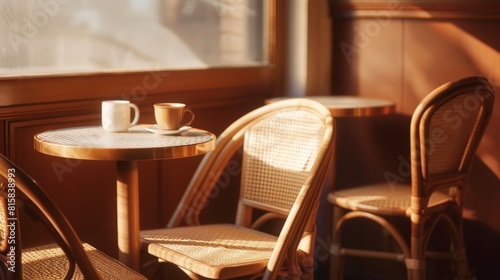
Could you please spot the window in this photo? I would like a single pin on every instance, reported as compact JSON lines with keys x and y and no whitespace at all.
{"x":94,"y":36}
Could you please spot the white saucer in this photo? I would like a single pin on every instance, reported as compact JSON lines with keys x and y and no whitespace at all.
{"x":156,"y":130}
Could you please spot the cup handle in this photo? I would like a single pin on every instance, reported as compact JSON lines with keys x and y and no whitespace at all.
{"x":186,"y":110}
{"x":136,"y":114}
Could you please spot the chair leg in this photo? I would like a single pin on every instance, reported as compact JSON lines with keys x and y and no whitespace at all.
{"x":336,"y":258}
{"x":416,"y":265}
{"x":457,"y":245}
{"x":461,"y":263}
{"x":416,"y":274}
{"x":416,"y":268}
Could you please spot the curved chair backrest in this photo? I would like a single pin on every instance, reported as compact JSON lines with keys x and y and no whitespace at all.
{"x":280,"y":151}
{"x":446,"y":129}
{"x":286,"y":148}
{"x":20,"y":192}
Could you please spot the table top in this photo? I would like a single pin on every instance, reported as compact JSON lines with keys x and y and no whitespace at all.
{"x":351,"y":105}
{"x":94,"y":143}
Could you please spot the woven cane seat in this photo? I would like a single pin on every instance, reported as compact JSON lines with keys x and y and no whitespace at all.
{"x":382,"y":199}
{"x":210,"y":246}
{"x":49,"y":262}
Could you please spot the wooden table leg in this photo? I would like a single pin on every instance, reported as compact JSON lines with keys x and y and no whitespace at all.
{"x":127,"y":193}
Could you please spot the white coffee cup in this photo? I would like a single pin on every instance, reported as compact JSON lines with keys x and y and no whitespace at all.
{"x":115,"y":115}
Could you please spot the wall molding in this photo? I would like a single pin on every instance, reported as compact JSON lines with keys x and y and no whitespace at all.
{"x":416,"y":10}
{"x":36,"y":90}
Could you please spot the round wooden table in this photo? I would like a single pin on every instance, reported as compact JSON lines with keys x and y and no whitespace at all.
{"x":126,"y":148}
{"x":350,"y":105}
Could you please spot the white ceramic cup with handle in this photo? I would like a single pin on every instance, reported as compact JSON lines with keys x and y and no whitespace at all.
{"x":115,"y":115}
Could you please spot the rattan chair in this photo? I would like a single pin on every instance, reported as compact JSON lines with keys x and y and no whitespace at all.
{"x":446,"y":129}
{"x":286,"y":149}
{"x":67,"y":258}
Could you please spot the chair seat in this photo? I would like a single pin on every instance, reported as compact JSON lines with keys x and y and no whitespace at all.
{"x":50,"y":262}
{"x":213,"y":251}
{"x":382,"y":199}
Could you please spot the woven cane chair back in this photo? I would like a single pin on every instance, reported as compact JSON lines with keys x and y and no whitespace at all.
{"x":446,"y":130}
{"x":284,"y":136}
{"x":279,"y":154}
{"x":67,"y":258}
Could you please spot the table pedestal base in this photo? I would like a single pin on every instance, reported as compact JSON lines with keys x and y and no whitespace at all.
{"x":127,"y":193}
